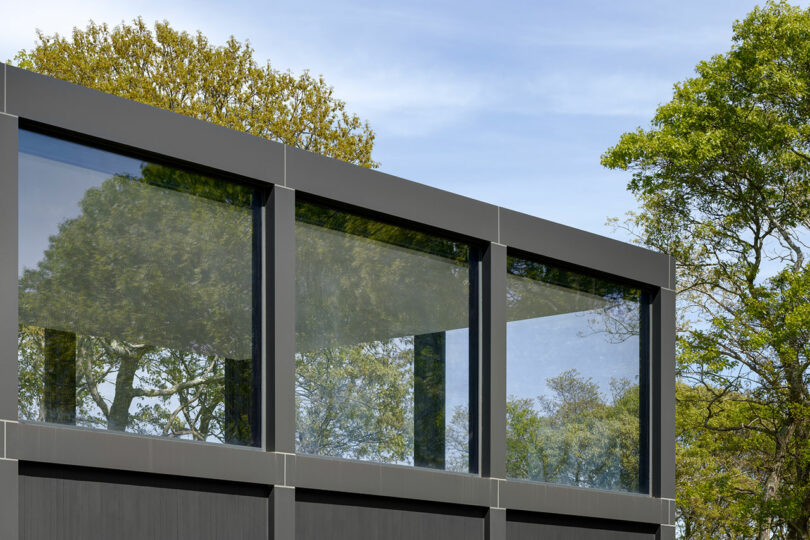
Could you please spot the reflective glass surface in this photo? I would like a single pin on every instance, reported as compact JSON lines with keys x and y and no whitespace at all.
{"x":382,"y":318}
{"x":137,"y":295}
{"x":576,"y":378}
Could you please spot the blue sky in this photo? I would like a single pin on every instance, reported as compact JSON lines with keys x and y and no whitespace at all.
{"x":511,"y":103}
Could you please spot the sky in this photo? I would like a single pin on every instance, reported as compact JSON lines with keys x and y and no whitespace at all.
{"x":512,"y":103}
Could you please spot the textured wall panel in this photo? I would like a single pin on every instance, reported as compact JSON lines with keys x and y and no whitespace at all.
{"x":364,"y":518}
{"x":90,"y":506}
{"x":537,"y":527}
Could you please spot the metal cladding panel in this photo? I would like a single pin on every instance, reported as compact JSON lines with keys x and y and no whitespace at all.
{"x":57,"y":508}
{"x":580,"y":248}
{"x":516,"y":530}
{"x":532,"y":527}
{"x":63,"y":105}
{"x":340,"y":517}
{"x":379,"y":192}
{"x":8,"y":267}
{"x":124,"y":452}
{"x":2,"y":87}
{"x":8,"y":498}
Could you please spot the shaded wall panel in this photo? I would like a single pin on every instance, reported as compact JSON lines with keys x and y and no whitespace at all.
{"x":69,"y":508}
{"x":358,"y":520}
{"x":570,"y":530}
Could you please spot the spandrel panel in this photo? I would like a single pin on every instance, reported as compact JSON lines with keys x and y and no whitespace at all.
{"x":382,"y":340}
{"x":576,"y":354}
{"x":137,"y":292}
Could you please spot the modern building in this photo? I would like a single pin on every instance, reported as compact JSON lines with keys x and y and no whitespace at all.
{"x":204,"y":334}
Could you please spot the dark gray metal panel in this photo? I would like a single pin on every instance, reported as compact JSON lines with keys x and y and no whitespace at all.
{"x":570,"y":501}
{"x":573,"y":246}
{"x":388,"y":480}
{"x":60,"y":508}
{"x":89,"y":112}
{"x":517,"y":530}
{"x":321,"y":521}
{"x":280,"y":235}
{"x":672,"y":273}
{"x":72,"y":446}
{"x":2,"y":87}
{"x":665,"y":532}
{"x":8,"y":267}
{"x":663,"y":379}
{"x":493,"y":342}
{"x":380,"y":192}
{"x":9,"y":513}
{"x":495,"y":524}
{"x":282,"y":513}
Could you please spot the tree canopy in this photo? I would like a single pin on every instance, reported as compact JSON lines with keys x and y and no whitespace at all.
{"x":224,"y":85}
{"x":722,"y":176}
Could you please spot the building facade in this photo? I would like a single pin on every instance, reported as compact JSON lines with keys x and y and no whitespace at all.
{"x":205,"y":334}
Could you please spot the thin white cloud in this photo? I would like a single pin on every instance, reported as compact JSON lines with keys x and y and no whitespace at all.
{"x":616,"y":94}
{"x":408,"y":102}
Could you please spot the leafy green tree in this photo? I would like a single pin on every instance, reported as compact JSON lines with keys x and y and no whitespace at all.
{"x":224,"y":85}
{"x":722,"y":176}
{"x":154,"y":285}
{"x":356,"y":401}
{"x":365,"y":291}
{"x":714,"y":468}
{"x":115,"y":270}
{"x":573,"y":436}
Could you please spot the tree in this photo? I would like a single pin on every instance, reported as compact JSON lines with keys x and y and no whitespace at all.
{"x":115,"y":364}
{"x":574,"y":436}
{"x":151,"y":290}
{"x":722,"y":176}
{"x":224,"y":85}
{"x":713,"y":468}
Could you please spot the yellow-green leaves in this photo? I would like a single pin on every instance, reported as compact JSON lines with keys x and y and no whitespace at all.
{"x":722,"y":175}
{"x":224,"y":85}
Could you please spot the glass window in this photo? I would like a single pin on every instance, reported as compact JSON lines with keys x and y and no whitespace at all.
{"x":137,"y":295}
{"x":576,"y":378}
{"x":383,"y":346}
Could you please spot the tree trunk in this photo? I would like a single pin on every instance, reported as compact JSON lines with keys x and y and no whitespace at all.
{"x":429,"y":400}
{"x":774,"y":480}
{"x":119,"y":410}
{"x":59,"y":392}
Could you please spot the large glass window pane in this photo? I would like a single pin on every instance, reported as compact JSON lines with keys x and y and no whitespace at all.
{"x":137,"y":295}
{"x":576,"y":378}
{"x":383,"y":354}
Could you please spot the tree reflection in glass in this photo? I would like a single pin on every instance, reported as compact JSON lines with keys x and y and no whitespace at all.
{"x":382,"y":318}
{"x":576,"y":378}
{"x":137,"y":295}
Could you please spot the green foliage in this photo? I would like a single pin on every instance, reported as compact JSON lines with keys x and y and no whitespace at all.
{"x":156,"y":283}
{"x":224,"y":85}
{"x":714,"y":467}
{"x":161,"y":304}
{"x":356,"y":401}
{"x":722,"y":176}
{"x":574,"y":436}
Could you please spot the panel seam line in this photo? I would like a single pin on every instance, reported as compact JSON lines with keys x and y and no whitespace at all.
{"x":499,"y":224}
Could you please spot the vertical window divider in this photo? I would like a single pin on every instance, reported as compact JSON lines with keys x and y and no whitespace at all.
{"x":663,"y":394}
{"x":9,"y":479}
{"x":279,"y":338}
{"x":474,"y":442}
{"x":493,"y":358}
{"x":8,"y":266}
{"x":645,"y":394}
